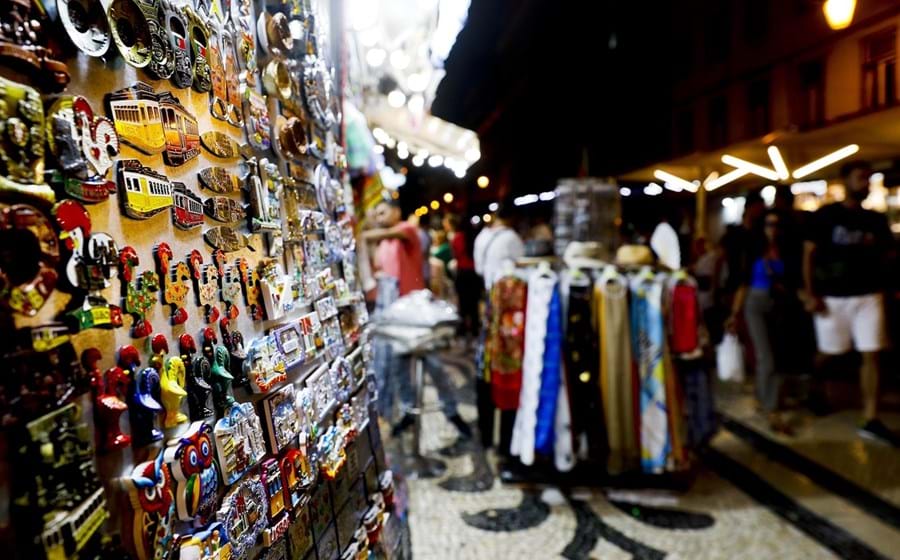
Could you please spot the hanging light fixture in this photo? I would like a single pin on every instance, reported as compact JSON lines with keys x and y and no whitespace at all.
{"x":839,"y":13}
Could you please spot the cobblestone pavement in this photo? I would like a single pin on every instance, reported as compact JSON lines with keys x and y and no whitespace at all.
{"x":468,"y":513}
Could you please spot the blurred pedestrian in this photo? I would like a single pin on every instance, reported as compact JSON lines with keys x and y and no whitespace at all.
{"x":466,"y":280}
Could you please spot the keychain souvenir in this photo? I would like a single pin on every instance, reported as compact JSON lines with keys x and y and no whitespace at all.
{"x":244,"y":515}
{"x":221,"y":379}
{"x":199,"y":371}
{"x":220,"y":145}
{"x":173,"y":277}
{"x":181,"y":131}
{"x":198,"y":36}
{"x":22,"y":141}
{"x":206,"y":285}
{"x":153,"y":523}
{"x":84,"y":146}
{"x":143,"y":192}
{"x":190,"y":458}
{"x":227,"y":239}
{"x":257,"y":118}
{"x":108,"y":389}
{"x":25,"y":229}
{"x":177,"y":26}
{"x":224,"y":209}
{"x":279,"y":520}
{"x":136,"y":113}
{"x":86,"y":25}
{"x":24,"y":42}
{"x":131,"y":32}
{"x":239,"y":441}
{"x":290,"y":343}
{"x":187,"y":207}
{"x":220,"y":180}
{"x":234,"y":114}
{"x":264,"y":365}
{"x":139,"y":291}
{"x":342,"y":377}
{"x":252,"y":293}
{"x":283,"y":422}
{"x":210,"y":543}
{"x":243,"y":21}
{"x":56,"y":501}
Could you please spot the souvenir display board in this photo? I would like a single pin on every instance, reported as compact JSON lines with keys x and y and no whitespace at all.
{"x":176,"y":227}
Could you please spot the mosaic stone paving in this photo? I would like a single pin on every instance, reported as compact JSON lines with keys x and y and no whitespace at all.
{"x":468,"y":513}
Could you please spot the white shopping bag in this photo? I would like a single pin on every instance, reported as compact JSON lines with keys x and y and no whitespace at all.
{"x":730,"y":359}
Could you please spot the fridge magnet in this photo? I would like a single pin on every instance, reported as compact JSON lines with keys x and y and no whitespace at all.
{"x":162,"y":58}
{"x":109,"y":390}
{"x":220,"y":180}
{"x":197,"y":376}
{"x":264,"y":366}
{"x":277,"y":79}
{"x":143,"y":192}
{"x":86,"y":25}
{"x":220,"y":145}
{"x":317,"y":91}
{"x":290,"y":344}
{"x":172,"y":386}
{"x":244,"y":515}
{"x":24,"y":44}
{"x":224,"y":209}
{"x":275,"y":290}
{"x":84,"y":145}
{"x":322,"y":388}
{"x":218,"y":94}
{"x":187,"y":207}
{"x":234,"y":341}
{"x":279,"y":520}
{"x":210,"y":543}
{"x":311,"y":327}
{"x":220,"y":379}
{"x":181,"y":131}
{"x":26,"y":291}
{"x":252,"y":292}
{"x":342,"y":377}
{"x":257,"y":118}
{"x":282,"y":419}
{"x":298,"y":476}
{"x":143,"y":406}
{"x":326,"y":308}
{"x":231,"y":285}
{"x":173,"y":277}
{"x":22,"y":141}
{"x":292,"y":141}
{"x":135,"y":112}
{"x":265,"y":199}
{"x":150,"y":495}
{"x":198,"y":36}
{"x":140,"y":290}
{"x":243,"y":19}
{"x":274,"y":34}
{"x":190,"y":458}
{"x":130,"y":32}
{"x":177,"y":26}
{"x":239,"y":441}
{"x":206,"y":285}
{"x":234,"y":114}
{"x":227,"y":239}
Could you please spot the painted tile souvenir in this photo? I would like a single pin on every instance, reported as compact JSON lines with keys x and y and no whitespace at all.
{"x":153,"y":503}
{"x":218,"y":95}
{"x":275,"y":290}
{"x":279,"y":520}
{"x":220,"y":145}
{"x":198,"y":374}
{"x":181,"y":130}
{"x":326,"y":308}
{"x":198,"y":36}
{"x":282,"y":419}
{"x":135,"y":112}
{"x":333,"y":338}
{"x":234,"y":106}
{"x":143,"y":192}
{"x":173,"y":277}
{"x":206,"y":285}
{"x":176,"y":23}
{"x":209,"y":543}
{"x":86,"y":26}
{"x":109,"y":390}
{"x":227,"y":239}
{"x":190,"y":458}
{"x":239,"y":442}
{"x":243,"y":19}
{"x":139,"y":291}
{"x":220,"y":180}
{"x":256,"y":115}
{"x":221,"y":379}
{"x":342,"y":377}
{"x":27,"y":293}
{"x":224,"y":209}
{"x":264,"y":366}
{"x":244,"y":515}
{"x":322,"y":387}
{"x":311,"y":327}
{"x":22,"y":144}
{"x":187,"y":207}
{"x":290,"y":343}
{"x":252,"y":292}
{"x":84,"y":145}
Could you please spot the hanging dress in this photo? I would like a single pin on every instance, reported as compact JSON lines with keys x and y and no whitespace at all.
{"x":506,"y":344}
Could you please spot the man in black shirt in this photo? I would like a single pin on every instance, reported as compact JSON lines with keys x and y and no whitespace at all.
{"x":845,"y":254}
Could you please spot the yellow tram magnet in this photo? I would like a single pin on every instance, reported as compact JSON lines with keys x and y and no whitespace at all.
{"x":136,"y":112}
{"x":144,"y":192}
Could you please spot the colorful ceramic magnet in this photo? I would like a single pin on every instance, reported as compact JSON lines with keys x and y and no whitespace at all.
{"x":56,"y":499}
{"x":153,"y":523}
{"x":279,"y":520}
{"x":143,"y":192}
{"x":322,"y":387}
{"x":187,"y":207}
{"x":172,"y":381}
{"x":180,"y":127}
{"x":198,"y":374}
{"x":22,"y":141}
{"x":252,"y":292}
{"x":136,"y":113}
{"x":86,"y":25}
{"x":311,"y":327}
{"x":173,"y":277}
{"x":206,"y":285}
{"x":231,"y":284}
{"x":239,"y":441}
{"x":264,"y":366}
{"x":24,"y":40}
{"x":221,"y":379}
{"x":282,"y":419}
{"x":190,"y":458}
{"x":139,"y":291}
{"x":220,"y":180}
{"x":177,"y":26}
{"x":84,"y":145}
{"x":227,"y":239}
{"x":130,"y":32}
{"x":342,"y":378}
{"x":326,"y":308}
{"x":234,"y":341}
{"x":143,"y":403}
{"x":220,"y":145}
{"x":275,"y":290}
{"x":244,"y":515}
{"x":297,"y":476}
{"x":198,"y":37}
{"x":210,"y":543}
{"x":224,"y":209}
{"x":234,"y":107}
{"x":290,"y":343}
{"x":108,"y":392}
{"x":256,"y":115}
{"x":31,"y":236}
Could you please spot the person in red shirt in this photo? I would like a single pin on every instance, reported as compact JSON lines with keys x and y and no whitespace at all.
{"x":399,"y":252}
{"x":468,"y":284}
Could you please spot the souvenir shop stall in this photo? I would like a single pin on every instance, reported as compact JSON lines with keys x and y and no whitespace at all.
{"x":596,"y":365}
{"x":184,"y":344}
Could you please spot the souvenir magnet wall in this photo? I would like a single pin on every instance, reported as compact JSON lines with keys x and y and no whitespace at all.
{"x":190,"y":458}
{"x":187,"y":207}
{"x":244,"y":514}
{"x":198,"y":376}
{"x":22,"y":141}
{"x":264,"y":366}
{"x":139,"y":291}
{"x":153,"y":503}
{"x":84,"y":146}
{"x":173,"y":277}
{"x":143,"y":193}
{"x":239,"y":442}
{"x":109,"y":390}
{"x":26,"y":228}
{"x":279,"y":520}
{"x":282,"y":419}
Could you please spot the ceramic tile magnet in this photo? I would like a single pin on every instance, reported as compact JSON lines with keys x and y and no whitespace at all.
{"x":283,"y":421}
{"x":150,"y":493}
{"x":244,"y":514}
{"x":279,"y":520}
{"x":190,"y":458}
{"x":275,"y":290}
{"x":264,"y":365}
{"x":198,"y":375}
{"x":22,"y":292}
{"x":108,"y":390}
{"x":139,"y":291}
{"x":22,"y":144}
{"x":206,"y":285}
{"x":290,"y":343}
{"x":143,"y":394}
{"x":239,"y":441}
{"x":173,"y":277}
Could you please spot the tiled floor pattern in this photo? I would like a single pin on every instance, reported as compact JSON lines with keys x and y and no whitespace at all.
{"x":450,"y":518}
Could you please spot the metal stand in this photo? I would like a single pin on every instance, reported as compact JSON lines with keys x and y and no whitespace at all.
{"x":420,"y":466}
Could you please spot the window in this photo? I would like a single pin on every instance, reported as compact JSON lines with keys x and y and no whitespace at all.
{"x":812,"y":93}
{"x":718,"y":122}
{"x":879,"y":69}
{"x":758,"y":121}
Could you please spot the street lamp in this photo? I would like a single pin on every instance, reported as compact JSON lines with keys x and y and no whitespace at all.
{"x":839,"y":13}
